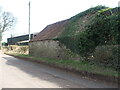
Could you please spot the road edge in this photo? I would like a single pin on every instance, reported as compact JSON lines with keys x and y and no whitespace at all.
{"x":82,"y":73}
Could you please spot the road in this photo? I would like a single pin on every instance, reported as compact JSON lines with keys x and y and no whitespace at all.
{"x":16,"y":73}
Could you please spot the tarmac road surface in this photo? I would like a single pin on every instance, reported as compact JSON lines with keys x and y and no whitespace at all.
{"x":16,"y":73}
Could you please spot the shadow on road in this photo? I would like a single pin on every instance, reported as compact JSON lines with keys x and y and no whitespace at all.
{"x":43,"y":72}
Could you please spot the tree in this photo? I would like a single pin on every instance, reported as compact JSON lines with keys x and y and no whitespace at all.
{"x":7,"y":21}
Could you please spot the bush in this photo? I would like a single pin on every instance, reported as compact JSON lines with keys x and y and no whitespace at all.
{"x":12,"y":47}
{"x":22,"y":49}
{"x":108,"y":55}
{"x":17,"y":49}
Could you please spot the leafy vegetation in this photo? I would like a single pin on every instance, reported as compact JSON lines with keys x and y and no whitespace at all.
{"x":103,"y":10}
{"x":72,"y":27}
{"x":108,"y":56}
{"x":102,"y":30}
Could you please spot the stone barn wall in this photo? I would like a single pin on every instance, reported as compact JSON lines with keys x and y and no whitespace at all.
{"x":50,"y":49}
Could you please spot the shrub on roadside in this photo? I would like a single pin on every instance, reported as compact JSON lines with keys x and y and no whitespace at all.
{"x":12,"y":47}
{"x":22,"y":49}
{"x":16,"y":49}
{"x":108,"y":55}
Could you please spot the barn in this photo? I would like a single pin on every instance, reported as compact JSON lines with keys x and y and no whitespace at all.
{"x":61,"y":39}
{"x":45,"y":44}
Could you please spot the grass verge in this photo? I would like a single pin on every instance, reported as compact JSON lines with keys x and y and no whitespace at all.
{"x":76,"y":65}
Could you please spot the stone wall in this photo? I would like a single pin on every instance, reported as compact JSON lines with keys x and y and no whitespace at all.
{"x":50,"y":49}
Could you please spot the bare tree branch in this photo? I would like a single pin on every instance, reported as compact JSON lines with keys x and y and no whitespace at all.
{"x":7,"y":21}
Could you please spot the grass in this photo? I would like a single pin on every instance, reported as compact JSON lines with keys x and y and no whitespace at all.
{"x":77,"y":65}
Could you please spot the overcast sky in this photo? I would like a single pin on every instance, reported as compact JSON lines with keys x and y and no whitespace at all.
{"x":44,"y":12}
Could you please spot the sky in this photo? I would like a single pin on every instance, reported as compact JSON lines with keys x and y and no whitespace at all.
{"x":45,"y":12}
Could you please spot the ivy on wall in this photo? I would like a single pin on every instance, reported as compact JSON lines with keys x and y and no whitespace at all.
{"x":104,"y":30}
